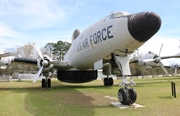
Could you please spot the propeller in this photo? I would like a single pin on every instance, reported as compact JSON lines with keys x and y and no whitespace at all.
{"x":38,"y":52}
{"x":157,"y":60}
{"x":160,"y":49}
{"x":44,"y":63}
{"x":149,"y":60}
{"x":162,"y":66}
{"x":37,"y":75}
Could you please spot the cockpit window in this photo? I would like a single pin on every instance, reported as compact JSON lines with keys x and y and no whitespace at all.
{"x":116,"y":15}
{"x":119,"y":14}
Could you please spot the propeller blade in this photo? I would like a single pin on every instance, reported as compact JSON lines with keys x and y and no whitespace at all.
{"x":171,"y":62}
{"x":38,"y":52}
{"x":37,"y":75}
{"x":162,"y":66}
{"x":160,"y":49}
{"x":149,"y":60}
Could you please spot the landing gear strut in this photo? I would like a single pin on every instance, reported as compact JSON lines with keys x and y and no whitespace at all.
{"x":127,"y":95}
{"x":46,"y":83}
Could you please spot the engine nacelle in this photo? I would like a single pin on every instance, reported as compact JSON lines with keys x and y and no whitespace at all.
{"x":77,"y":76}
{"x":45,"y":63}
{"x":47,"y":67}
{"x":5,"y":61}
{"x":147,"y":67}
{"x":152,"y":64}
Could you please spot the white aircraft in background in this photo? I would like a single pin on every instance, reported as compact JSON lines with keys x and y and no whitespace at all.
{"x":174,"y":66}
{"x":5,"y":61}
{"x":152,"y":60}
{"x":104,"y":45}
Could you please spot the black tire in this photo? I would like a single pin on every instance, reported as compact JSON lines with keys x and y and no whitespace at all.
{"x":43,"y":83}
{"x":132,"y":95}
{"x":111,"y":81}
{"x":49,"y":83}
{"x":106,"y":82}
{"x":123,"y":96}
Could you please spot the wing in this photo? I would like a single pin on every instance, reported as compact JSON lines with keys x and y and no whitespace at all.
{"x":35,"y":62}
{"x":25,"y":61}
{"x":133,"y":61}
{"x":173,"y":56}
{"x":60,"y":65}
{"x":6,"y":54}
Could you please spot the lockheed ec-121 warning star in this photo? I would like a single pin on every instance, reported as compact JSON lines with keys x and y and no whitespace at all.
{"x":104,"y":45}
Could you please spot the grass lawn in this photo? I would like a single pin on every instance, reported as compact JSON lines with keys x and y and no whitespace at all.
{"x":27,"y":99}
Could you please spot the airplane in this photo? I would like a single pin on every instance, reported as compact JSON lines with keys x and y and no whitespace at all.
{"x":8,"y":58}
{"x":152,"y":60}
{"x":107,"y":45}
{"x":174,"y":66}
{"x":5,"y":61}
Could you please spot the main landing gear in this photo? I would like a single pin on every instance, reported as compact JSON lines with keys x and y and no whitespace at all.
{"x":108,"y":81}
{"x":127,"y":95}
{"x":46,"y":83}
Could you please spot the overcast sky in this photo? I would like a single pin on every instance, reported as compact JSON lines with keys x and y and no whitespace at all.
{"x":43,"y":21}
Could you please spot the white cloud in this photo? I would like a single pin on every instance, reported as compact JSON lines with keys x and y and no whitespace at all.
{"x":32,"y":13}
{"x":6,"y":31}
{"x":170,"y":45}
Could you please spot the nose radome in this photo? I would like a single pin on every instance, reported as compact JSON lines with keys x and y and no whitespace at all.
{"x":142,"y":26}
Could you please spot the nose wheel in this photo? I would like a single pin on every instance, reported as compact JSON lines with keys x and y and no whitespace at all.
{"x":127,"y":96}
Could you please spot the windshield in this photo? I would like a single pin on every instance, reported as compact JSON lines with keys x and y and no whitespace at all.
{"x":117,"y":15}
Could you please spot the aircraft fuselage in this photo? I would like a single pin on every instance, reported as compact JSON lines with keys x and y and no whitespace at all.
{"x":109,"y":35}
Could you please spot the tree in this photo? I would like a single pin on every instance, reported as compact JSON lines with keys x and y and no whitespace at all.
{"x":26,"y":51}
{"x":57,"y":50}
{"x":60,"y":49}
{"x":48,"y":48}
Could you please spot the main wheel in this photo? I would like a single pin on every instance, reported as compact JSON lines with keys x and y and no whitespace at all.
{"x":43,"y":83}
{"x":111,"y":81}
{"x":132,"y":95}
{"x":49,"y":83}
{"x":106,"y":82}
{"x":123,"y":96}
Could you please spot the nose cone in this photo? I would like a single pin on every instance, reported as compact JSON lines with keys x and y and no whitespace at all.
{"x":142,"y":26}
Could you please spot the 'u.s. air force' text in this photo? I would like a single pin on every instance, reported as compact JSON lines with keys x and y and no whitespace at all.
{"x":99,"y":36}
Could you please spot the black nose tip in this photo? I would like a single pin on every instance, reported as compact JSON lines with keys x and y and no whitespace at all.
{"x":142,"y":26}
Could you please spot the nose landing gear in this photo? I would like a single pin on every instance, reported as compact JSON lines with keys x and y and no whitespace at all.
{"x":127,"y":95}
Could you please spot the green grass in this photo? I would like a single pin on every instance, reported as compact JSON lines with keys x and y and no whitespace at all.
{"x":27,"y":99}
